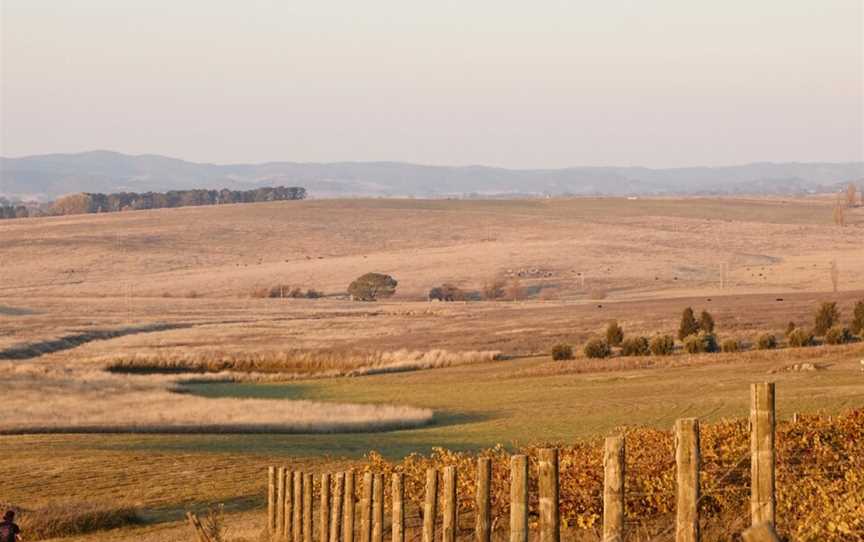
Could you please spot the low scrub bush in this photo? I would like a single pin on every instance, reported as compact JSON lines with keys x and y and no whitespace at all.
{"x":731,"y":345}
{"x":562,"y":351}
{"x":826,"y":317}
{"x":767,"y":341}
{"x":635,"y":346}
{"x":597,"y":348}
{"x":689,"y":325}
{"x":285,"y":291}
{"x":614,"y":334}
{"x":838,"y":335}
{"x":662,"y":345}
{"x":701,"y":343}
{"x":858,"y":318}
{"x":801,"y":337}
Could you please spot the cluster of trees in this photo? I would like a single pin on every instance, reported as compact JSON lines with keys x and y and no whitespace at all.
{"x":84,"y":203}
{"x":697,"y":336}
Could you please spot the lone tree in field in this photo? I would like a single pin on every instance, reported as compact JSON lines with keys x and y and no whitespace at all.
{"x":689,"y":325}
{"x":858,"y":318}
{"x":372,"y":286}
{"x":614,"y":334}
{"x":827,"y":315}
{"x":706,"y":322}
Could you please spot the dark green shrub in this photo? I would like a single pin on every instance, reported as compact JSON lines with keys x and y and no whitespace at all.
{"x":858,"y":318}
{"x":562,"y":351}
{"x":701,"y":343}
{"x":614,"y":334}
{"x":706,"y":322}
{"x":662,"y":345}
{"x":597,"y":348}
{"x":635,"y":346}
{"x":731,"y":345}
{"x":689,"y":325}
{"x":838,"y":335}
{"x":801,"y":337}
{"x":767,"y":341}
{"x":372,"y":286}
{"x":826,"y":317}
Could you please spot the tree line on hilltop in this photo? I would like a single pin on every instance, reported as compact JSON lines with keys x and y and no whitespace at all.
{"x":84,"y":203}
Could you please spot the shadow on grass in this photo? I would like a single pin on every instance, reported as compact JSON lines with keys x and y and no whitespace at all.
{"x":67,"y":342}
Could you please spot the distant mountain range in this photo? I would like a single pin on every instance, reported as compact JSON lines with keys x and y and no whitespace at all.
{"x":44,"y":177}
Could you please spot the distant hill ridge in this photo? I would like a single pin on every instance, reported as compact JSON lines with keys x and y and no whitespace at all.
{"x":46,"y":177}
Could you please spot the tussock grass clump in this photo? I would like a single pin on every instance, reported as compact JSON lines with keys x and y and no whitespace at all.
{"x":597,"y":348}
{"x":69,"y":519}
{"x":562,"y":352}
{"x":662,"y":345}
{"x":635,"y":346}
{"x":767,"y":341}
{"x":731,"y":345}
{"x":701,"y":344}
{"x":801,"y":337}
{"x":838,"y":335}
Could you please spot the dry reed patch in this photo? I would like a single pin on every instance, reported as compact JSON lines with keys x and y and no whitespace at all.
{"x":90,"y":400}
{"x":64,"y":519}
{"x":292,"y":364}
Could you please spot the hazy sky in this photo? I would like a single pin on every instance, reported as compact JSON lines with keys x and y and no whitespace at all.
{"x":512,"y":83}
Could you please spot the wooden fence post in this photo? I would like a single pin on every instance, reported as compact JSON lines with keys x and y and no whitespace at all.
{"x":519,"y":498}
{"x":762,"y":423}
{"x":762,"y":532}
{"x":378,"y":508}
{"x":324,"y":522}
{"x":287,"y":506}
{"x":366,"y":508}
{"x":688,"y":461}
{"x":430,"y":506}
{"x":280,"y":498}
{"x":348,"y":508}
{"x":297,"y":501}
{"x":398,"y":498}
{"x":547,"y":471}
{"x":451,"y":523}
{"x":613,"y":489}
{"x":271,"y":500}
{"x":336,"y":509}
{"x":307,"y":508}
{"x":483,"y":520}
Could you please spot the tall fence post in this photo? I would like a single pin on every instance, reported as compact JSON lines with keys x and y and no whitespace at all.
{"x":451,"y":523}
{"x":519,"y":498}
{"x":762,"y":423}
{"x":547,"y":471}
{"x":430,"y":505}
{"x":280,"y":498}
{"x":287,"y":505}
{"x":688,"y":461}
{"x":336,"y":509}
{"x":324,"y":522}
{"x":348,"y":508}
{"x":398,"y":499}
{"x":271,"y":500}
{"x":307,"y":507}
{"x":366,"y":508}
{"x":297,"y":518}
{"x":613,"y":489}
{"x":378,"y":508}
{"x":483,"y":520}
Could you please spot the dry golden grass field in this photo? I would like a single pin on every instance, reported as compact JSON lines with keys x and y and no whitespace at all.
{"x":213,"y":384}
